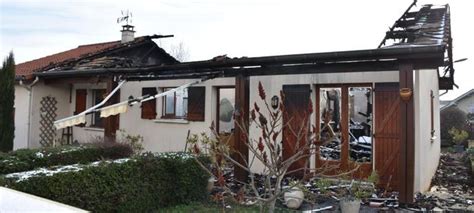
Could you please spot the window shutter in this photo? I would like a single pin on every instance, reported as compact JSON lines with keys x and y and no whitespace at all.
{"x":149,"y":107}
{"x":81,"y":97}
{"x":196,"y":103}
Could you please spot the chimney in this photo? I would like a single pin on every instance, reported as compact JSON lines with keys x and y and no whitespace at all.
{"x":127,"y":33}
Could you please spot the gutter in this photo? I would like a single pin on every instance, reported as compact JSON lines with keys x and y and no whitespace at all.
{"x":30,"y":92}
{"x":399,"y":53}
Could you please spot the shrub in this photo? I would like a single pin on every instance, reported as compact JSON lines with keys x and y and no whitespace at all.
{"x":29,"y":159}
{"x":142,"y":184}
{"x":458,"y":136}
{"x":449,"y":118}
{"x":135,"y":141}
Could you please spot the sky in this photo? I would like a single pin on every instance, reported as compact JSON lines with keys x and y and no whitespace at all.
{"x":208,"y":28}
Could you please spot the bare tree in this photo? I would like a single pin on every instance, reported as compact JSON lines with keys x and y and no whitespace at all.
{"x":265,"y":187}
{"x":180,"y":52}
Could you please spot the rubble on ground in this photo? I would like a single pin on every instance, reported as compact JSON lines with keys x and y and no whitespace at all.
{"x":452,"y":186}
{"x":452,"y":190}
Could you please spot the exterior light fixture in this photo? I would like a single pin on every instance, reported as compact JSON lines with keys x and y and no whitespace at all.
{"x":274,"y":102}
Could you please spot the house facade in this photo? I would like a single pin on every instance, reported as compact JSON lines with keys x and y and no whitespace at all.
{"x":39,"y":102}
{"x":384,"y":102}
{"x":464,"y":102}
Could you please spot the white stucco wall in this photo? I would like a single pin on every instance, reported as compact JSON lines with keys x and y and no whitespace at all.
{"x":427,"y":150}
{"x":162,"y":135}
{"x":22,"y":103}
{"x":40,"y":90}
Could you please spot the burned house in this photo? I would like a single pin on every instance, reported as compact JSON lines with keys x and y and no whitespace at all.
{"x":383,"y":102}
{"x":39,"y":101}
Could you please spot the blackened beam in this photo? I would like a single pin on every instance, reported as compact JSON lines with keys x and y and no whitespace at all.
{"x":405,"y":23}
{"x":409,"y":53}
{"x":405,"y":15}
{"x":400,"y":35}
{"x":373,"y":66}
{"x":160,"y":36}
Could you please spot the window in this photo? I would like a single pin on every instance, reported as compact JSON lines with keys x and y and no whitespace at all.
{"x":330,"y":110}
{"x":184,"y":104}
{"x":360,"y":124}
{"x":149,"y":107}
{"x":175,"y":105}
{"x":226,"y":107}
{"x":196,"y":103}
{"x":97,"y":96}
{"x":345,"y":123}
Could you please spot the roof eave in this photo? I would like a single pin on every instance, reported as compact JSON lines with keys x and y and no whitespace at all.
{"x":406,"y":53}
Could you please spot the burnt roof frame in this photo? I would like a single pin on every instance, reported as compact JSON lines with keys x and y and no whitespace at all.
{"x":385,"y":59}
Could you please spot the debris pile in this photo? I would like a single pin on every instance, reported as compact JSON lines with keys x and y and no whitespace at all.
{"x":452,"y":190}
{"x":452,"y":186}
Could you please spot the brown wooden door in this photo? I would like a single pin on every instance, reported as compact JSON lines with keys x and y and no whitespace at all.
{"x":387,"y":134}
{"x":296,"y":103}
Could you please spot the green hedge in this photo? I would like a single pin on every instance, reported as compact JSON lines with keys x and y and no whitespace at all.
{"x":142,"y":184}
{"x":29,"y":159}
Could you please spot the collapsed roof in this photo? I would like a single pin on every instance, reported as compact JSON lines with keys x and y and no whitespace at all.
{"x":431,"y":25}
{"x":87,"y":57}
{"x":422,"y":36}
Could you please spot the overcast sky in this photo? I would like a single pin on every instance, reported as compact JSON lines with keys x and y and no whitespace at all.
{"x":34,"y":29}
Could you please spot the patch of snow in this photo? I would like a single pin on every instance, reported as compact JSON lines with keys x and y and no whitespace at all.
{"x":39,"y":155}
{"x":72,"y":149}
{"x":181,"y":155}
{"x":21,"y":176}
{"x":122,"y":160}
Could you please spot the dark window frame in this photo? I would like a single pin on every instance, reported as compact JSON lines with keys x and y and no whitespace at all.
{"x":345,"y":135}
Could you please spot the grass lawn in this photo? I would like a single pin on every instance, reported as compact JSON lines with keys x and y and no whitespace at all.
{"x":214,"y":207}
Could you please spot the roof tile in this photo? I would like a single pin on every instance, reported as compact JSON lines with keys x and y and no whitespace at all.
{"x":27,"y":68}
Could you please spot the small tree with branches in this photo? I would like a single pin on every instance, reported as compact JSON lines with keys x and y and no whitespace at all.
{"x":265,"y":186}
{"x":180,"y":52}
